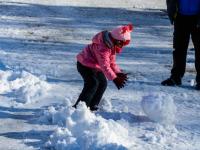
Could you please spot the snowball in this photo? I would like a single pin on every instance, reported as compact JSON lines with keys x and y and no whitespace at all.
{"x":159,"y":108}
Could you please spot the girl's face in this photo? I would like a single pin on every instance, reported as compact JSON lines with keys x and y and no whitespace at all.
{"x":119,"y":43}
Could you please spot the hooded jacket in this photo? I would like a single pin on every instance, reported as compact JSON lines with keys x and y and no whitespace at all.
{"x":100,"y":55}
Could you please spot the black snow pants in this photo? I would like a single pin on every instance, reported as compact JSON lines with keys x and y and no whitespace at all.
{"x":95,"y":84}
{"x":184,"y":27}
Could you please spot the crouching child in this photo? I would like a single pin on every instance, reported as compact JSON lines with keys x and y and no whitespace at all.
{"x":97,"y":62}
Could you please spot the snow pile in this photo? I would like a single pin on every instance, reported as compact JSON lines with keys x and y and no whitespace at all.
{"x":159,"y":108}
{"x":23,"y":85}
{"x":56,"y":115}
{"x":85,"y":130}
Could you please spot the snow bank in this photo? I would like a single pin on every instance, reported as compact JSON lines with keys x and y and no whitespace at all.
{"x":82,"y":130}
{"x":153,"y":4}
{"x":23,"y":85}
{"x":159,"y":108}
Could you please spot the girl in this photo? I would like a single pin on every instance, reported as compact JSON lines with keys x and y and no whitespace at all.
{"x":97,"y":62}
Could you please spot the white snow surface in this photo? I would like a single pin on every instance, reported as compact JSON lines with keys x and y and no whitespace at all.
{"x":39,"y":41}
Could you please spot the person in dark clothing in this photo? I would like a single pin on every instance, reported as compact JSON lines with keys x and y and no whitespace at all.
{"x":185,"y":15}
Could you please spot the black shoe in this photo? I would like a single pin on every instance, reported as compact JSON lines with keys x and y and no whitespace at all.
{"x":75,"y":106}
{"x":171,"y":82}
{"x":94,"y":108}
{"x":197,"y":87}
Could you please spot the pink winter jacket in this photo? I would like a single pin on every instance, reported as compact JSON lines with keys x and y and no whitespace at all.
{"x":98,"y":56}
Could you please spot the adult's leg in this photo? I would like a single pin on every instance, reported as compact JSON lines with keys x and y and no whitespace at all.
{"x":100,"y":90}
{"x":180,"y":43}
{"x":90,"y":84}
{"x":196,"y":42}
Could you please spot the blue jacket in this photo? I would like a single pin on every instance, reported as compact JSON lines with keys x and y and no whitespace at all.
{"x":189,"y":7}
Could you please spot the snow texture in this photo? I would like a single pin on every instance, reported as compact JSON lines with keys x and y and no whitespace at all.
{"x":39,"y":82}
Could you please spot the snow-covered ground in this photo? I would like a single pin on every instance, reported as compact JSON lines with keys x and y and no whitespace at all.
{"x":39,"y":82}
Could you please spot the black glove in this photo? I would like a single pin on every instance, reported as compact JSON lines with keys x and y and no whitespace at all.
{"x":119,"y":82}
{"x":123,"y":75}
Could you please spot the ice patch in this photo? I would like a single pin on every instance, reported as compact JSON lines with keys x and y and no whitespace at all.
{"x":23,"y":85}
{"x":82,"y":130}
{"x":159,"y":108}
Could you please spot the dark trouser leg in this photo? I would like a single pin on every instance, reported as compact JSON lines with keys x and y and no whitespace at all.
{"x":100,"y":90}
{"x":90,"y":84}
{"x":196,"y":42}
{"x":181,"y":42}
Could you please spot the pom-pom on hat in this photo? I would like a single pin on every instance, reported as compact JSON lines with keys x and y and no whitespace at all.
{"x":122,"y":33}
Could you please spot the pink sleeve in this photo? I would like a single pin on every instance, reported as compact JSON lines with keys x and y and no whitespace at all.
{"x":113,"y":65}
{"x":103,"y":57}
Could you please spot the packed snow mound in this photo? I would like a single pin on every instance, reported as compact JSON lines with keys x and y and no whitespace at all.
{"x":81,"y":129}
{"x":23,"y":85}
{"x":159,"y":108}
